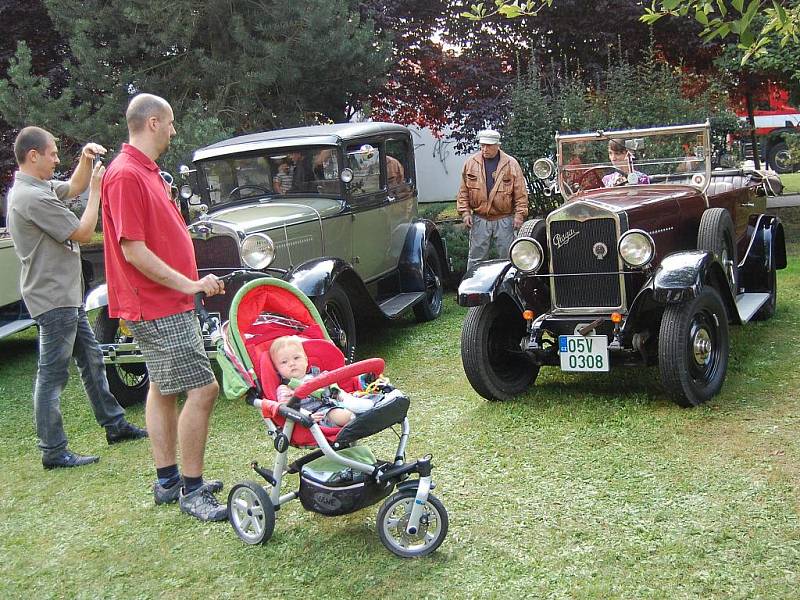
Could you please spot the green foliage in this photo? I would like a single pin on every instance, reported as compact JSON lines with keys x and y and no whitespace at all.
{"x":793,"y":142}
{"x":225,"y":66}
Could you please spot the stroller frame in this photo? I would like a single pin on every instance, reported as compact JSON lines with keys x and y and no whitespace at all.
{"x":411,"y":523}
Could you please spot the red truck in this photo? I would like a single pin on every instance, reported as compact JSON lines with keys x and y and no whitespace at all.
{"x":774,"y":117}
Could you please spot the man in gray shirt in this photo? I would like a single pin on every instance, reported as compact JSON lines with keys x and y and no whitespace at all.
{"x":46,"y":237}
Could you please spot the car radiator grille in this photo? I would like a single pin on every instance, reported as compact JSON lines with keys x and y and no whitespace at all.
{"x":573,"y":250}
{"x":217,"y":253}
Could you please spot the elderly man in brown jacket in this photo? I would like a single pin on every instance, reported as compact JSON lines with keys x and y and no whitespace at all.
{"x":492,"y":199}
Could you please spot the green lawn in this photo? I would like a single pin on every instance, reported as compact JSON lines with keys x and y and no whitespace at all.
{"x":791,"y":183}
{"x":588,"y":487}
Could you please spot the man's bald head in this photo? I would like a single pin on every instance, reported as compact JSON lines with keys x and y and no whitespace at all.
{"x":142,"y":107}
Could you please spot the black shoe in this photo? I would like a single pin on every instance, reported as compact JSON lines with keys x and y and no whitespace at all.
{"x":168,"y":495}
{"x":124,"y":431}
{"x":68,"y":459}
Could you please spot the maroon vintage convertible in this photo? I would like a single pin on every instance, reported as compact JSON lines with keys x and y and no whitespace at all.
{"x":648,"y":261}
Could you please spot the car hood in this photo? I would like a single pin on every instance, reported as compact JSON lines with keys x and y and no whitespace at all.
{"x":626,"y":199}
{"x":273,"y":213}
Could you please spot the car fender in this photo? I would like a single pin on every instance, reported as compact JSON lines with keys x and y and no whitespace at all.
{"x":410,"y":266}
{"x":96,"y":298}
{"x":485,"y":281}
{"x":682,"y":275}
{"x":316,"y":276}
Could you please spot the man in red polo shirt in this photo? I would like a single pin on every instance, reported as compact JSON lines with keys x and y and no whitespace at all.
{"x":152,"y":277}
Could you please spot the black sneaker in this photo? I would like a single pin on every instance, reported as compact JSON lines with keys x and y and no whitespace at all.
{"x":68,"y":459}
{"x":168,"y":495}
{"x":124,"y":431}
{"x":203,"y":505}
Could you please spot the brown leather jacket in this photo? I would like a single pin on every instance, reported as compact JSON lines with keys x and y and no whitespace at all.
{"x":509,"y":195}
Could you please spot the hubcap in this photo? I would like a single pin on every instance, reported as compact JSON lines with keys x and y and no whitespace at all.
{"x":247,"y":514}
{"x":701,"y":347}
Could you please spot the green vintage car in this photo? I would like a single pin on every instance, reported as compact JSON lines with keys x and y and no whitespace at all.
{"x":330,"y":208}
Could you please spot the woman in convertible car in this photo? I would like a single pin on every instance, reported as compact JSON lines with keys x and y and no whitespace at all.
{"x":622,"y":159}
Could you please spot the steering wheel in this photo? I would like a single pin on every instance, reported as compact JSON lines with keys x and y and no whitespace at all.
{"x":599,"y":173}
{"x":238,"y":189}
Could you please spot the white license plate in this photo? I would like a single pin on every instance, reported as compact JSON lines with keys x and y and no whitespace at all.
{"x":583,"y":353}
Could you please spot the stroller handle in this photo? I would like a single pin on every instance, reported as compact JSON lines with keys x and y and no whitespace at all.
{"x":370,"y":365}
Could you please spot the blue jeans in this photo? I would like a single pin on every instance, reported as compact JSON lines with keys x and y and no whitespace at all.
{"x":64,"y":333}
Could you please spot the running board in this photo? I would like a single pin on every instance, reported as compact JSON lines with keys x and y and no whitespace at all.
{"x":393,"y":306}
{"x":15,"y":326}
{"x":748,"y":304}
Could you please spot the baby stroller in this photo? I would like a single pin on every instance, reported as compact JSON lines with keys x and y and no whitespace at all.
{"x":338,"y":476}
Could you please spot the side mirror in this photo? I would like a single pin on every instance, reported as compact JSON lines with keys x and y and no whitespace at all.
{"x":184,"y":171}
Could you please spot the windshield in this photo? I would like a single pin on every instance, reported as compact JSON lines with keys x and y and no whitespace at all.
{"x":306,"y":171}
{"x":678,"y":155}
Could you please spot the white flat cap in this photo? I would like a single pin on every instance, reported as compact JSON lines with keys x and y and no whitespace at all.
{"x":488,"y":136}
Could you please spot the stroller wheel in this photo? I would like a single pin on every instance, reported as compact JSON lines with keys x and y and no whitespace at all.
{"x":393,"y":519}
{"x":251,"y":513}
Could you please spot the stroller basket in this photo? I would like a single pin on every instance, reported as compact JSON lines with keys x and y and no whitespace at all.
{"x":328,"y":489}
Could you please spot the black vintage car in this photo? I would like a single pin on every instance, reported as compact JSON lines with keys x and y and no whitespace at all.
{"x":647,"y":262}
{"x":331,"y":208}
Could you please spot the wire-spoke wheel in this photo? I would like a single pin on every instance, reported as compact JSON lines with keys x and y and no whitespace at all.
{"x":393,"y":520}
{"x":251,"y":513}
{"x":128,"y":382}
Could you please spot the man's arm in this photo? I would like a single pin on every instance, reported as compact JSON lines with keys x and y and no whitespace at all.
{"x":83,"y":172}
{"x":151,"y":266}
{"x":85,"y":230}
{"x":520,"y":197}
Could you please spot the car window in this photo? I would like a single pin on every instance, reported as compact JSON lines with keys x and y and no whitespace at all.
{"x":365,"y":161}
{"x":313,"y":170}
{"x":397,"y":167}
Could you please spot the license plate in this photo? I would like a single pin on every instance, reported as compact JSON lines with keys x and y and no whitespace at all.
{"x":583,"y":353}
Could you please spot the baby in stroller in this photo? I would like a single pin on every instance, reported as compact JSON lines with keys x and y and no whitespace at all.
{"x":278,"y":343}
{"x":330,"y":406}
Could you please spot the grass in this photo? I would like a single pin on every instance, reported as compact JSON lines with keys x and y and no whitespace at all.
{"x":588,"y":487}
{"x":791,"y":183}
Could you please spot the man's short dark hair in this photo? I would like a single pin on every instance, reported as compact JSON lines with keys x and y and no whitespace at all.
{"x":31,"y":138}
{"x":141,"y":108}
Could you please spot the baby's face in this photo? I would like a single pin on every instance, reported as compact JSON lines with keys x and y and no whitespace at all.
{"x":291,"y":362}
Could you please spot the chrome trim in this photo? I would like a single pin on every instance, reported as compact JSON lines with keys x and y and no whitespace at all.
{"x":652,"y":245}
{"x":541,"y":254}
{"x":583,"y":211}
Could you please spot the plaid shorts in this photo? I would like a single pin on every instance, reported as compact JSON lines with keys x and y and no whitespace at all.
{"x":173,"y":351}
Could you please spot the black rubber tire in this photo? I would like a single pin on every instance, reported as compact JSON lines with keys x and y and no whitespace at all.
{"x":717,"y":235}
{"x":490,"y":352}
{"x":388,"y":521}
{"x":767,"y":311}
{"x":779,"y":159}
{"x":692,"y":372}
{"x":128,"y":382}
{"x":433,"y":273}
{"x":337,"y":315}
{"x":251,"y":513}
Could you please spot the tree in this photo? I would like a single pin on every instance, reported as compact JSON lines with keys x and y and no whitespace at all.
{"x":29,"y":22}
{"x":237,"y":65}
{"x":719,"y":18}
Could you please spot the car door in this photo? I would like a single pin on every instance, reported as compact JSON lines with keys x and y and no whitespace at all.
{"x":401,"y":193}
{"x":368,"y":199}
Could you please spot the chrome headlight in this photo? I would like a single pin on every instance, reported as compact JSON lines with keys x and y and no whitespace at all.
{"x":258,"y":251}
{"x":637,"y":248}
{"x":526,"y":254}
{"x":544,"y":168}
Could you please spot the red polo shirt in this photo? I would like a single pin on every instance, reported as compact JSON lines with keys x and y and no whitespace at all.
{"x":137,"y":207}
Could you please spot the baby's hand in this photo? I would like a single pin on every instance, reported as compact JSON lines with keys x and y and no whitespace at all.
{"x":284,"y":393}
{"x":317,"y":416}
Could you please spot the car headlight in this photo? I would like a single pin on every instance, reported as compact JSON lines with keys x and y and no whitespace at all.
{"x":544,"y":168}
{"x":258,"y":251}
{"x":526,"y":255}
{"x":637,"y":248}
